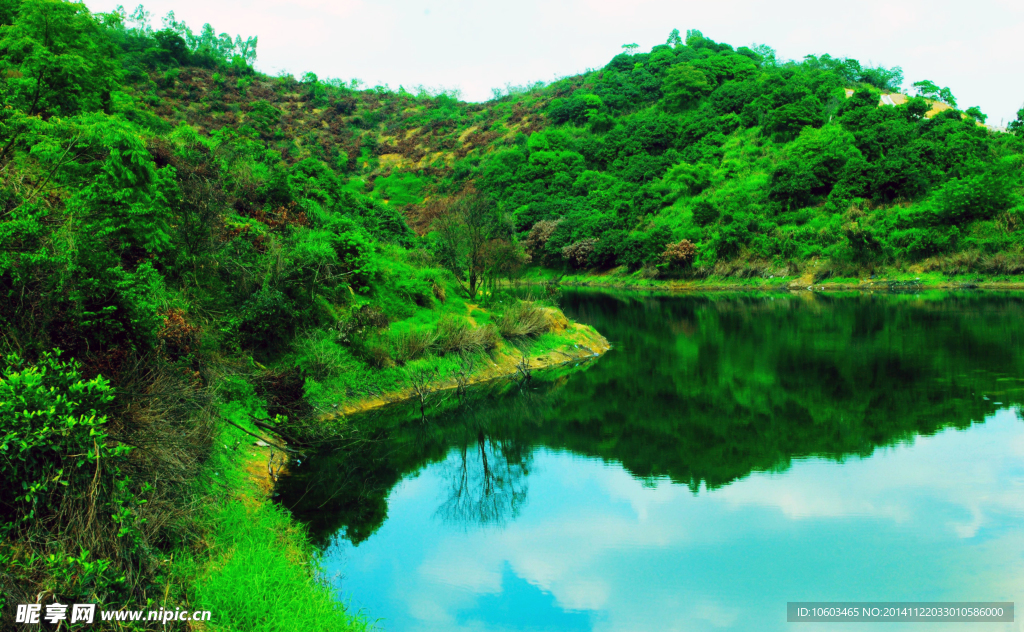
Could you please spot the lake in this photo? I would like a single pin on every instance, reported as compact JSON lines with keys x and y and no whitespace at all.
{"x":729,"y":454}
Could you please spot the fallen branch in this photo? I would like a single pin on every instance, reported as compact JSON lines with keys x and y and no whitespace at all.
{"x":269,"y":428}
{"x":253,"y":434}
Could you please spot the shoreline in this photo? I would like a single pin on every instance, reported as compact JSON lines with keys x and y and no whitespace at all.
{"x":786,"y":284}
{"x":582,"y":342}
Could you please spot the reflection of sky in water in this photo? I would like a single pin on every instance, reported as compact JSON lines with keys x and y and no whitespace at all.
{"x":594,"y":548}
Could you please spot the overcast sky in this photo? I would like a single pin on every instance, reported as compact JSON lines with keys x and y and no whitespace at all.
{"x":975,"y":48}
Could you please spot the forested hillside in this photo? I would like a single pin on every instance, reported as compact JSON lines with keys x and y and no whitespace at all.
{"x":184,"y":240}
{"x":695,"y":159}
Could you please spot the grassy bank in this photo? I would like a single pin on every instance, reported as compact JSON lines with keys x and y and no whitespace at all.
{"x":256,"y":569}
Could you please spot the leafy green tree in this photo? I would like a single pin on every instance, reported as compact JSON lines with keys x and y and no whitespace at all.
{"x":930,"y":90}
{"x":54,"y":60}
{"x":466,"y":226}
{"x":726,"y":67}
{"x":767,"y":54}
{"x":946,"y":96}
{"x":684,"y":86}
{"x":976,"y":113}
{"x":9,"y":11}
{"x":694,"y":38}
{"x":674,"y":39}
{"x":1016,"y":126}
{"x":926,"y":88}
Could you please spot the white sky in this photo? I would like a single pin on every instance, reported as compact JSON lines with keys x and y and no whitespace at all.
{"x":475,"y":45}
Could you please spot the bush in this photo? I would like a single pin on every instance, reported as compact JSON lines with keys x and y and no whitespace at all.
{"x":410,"y":345}
{"x":926,"y":242}
{"x":704,"y":213}
{"x":979,"y":197}
{"x":679,"y":255}
{"x":362,"y":318}
{"x":457,"y":335}
{"x":321,"y":356}
{"x":606,"y":250}
{"x":523,"y":319}
{"x":52,"y":436}
{"x":539,"y":236}
{"x":578,"y":254}
{"x":267,"y":320}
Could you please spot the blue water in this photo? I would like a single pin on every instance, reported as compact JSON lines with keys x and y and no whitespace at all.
{"x":728,"y":456}
{"x":596,"y":549}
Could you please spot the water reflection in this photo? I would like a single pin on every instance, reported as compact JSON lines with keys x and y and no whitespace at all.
{"x":731,"y":454}
{"x":486,"y":482}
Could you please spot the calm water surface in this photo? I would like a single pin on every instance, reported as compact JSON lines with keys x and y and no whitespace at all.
{"x":729,"y":454}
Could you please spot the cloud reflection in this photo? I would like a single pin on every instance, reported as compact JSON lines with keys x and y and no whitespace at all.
{"x":939,"y":519}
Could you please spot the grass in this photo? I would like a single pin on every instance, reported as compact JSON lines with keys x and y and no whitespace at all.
{"x":257,"y":571}
{"x":458,"y":335}
{"x":266,"y":578}
{"x":523,"y":319}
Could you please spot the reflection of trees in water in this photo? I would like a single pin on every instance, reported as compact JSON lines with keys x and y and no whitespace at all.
{"x":702,"y":390}
{"x":486,"y":482}
{"x":483,"y":442}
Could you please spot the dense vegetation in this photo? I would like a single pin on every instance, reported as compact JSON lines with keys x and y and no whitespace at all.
{"x":185,"y":241}
{"x":692,"y":160}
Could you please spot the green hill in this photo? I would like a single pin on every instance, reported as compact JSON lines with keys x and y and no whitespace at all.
{"x":745,"y":165}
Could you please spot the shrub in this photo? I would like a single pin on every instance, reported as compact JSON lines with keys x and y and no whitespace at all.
{"x":410,"y":345}
{"x":539,"y":236}
{"x":266,"y":321}
{"x":679,"y":255}
{"x":523,"y":319}
{"x":457,"y":335}
{"x":926,"y":242}
{"x":378,"y":356}
{"x":978,"y":197}
{"x":52,"y":436}
{"x":362,"y":318}
{"x":321,"y":357}
{"x":578,"y":254}
{"x":704,"y":213}
{"x":607,"y":249}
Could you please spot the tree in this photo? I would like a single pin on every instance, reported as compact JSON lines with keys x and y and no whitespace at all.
{"x":932,"y":91}
{"x":684,"y":86}
{"x":976,"y":113}
{"x":767,"y":54}
{"x":8,"y":11}
{"x":630,"y":48}
{"x":926,"y":89}
{"x":1016,"y":127}
{"x":674,"y":39}
{"x":54,"y":61}
{"x":465,"y":227}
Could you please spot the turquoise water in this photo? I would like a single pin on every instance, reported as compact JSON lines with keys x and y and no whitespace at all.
{"x":729,"y":455}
